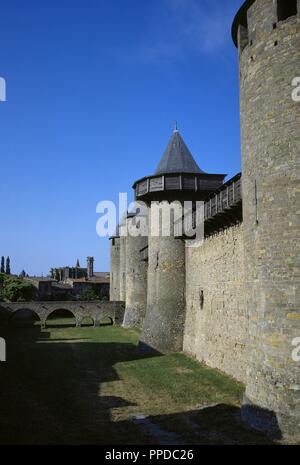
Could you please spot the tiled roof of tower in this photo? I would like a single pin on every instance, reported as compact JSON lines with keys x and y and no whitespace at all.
{"x":177,"y":158}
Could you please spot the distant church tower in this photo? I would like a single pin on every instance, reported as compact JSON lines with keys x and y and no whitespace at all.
{"x":267,"y":33}
{"x":90,"y":267}
{"x":177,"y":178}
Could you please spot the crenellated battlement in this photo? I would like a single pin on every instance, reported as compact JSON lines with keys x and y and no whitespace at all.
{"x":260,"y":24}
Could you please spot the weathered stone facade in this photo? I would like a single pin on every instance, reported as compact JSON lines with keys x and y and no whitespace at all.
{"x":136,"y":280}
{"x":233,"y":302}
{"x":115,"y":268}
{"x":164,"y":321}
{"x":215,"y":326}
{"x":123,"y":268}
{"x":269,"y":55}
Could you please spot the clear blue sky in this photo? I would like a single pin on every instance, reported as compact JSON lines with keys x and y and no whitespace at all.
{"x":93,"y":90}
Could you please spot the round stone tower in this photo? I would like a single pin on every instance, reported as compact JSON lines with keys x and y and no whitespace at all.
{"x":115,"y":268}
{"x":177,"y":178}
{"x":267,"y":33}
{"x":123,"y":239}
{"x":136,"y":278}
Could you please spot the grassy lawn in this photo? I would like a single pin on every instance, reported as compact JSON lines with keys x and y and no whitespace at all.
{"x":67,"y":385}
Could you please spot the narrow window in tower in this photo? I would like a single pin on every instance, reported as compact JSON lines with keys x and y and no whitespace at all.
{"x":201,"y":299}
{"x":286,"y":9}
{"x":157,"y":261}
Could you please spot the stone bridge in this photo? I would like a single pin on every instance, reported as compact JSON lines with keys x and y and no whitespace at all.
{"x":96,"y":310}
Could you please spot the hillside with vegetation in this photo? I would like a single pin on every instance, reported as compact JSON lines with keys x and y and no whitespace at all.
{"x":15,"y":289}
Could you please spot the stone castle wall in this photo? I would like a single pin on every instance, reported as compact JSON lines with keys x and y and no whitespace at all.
{"x":136,"y":282}
{"x":123,"y":269}
{"x":215,"y":332}
{"x":271,"y":184}
{"x":235,"y":299}
{"x":164,"y":319}
{"x":115,"y":269}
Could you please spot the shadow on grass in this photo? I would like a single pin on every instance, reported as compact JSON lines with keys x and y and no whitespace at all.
{"x":220,"y":424}
{"x":52,"y":393}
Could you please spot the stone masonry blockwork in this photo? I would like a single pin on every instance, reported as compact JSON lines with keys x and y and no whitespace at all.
{"x":215,"y":332}
{"x":270,"y":127}
{"x":234,"y":302}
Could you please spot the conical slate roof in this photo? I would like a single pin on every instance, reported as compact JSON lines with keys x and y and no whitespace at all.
{"x":177,"y":157}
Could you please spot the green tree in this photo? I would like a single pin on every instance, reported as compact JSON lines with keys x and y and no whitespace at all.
{"x":88,"y":294}
{"x":14,"y":289}
{"x":2,"y":265}
{"x":7,"y":270}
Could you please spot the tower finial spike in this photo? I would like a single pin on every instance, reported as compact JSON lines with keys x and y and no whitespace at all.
{"x":176,"y":127}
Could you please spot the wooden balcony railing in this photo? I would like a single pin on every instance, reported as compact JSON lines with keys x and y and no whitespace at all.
{"x":221,"y":209}
{"x":178,"y":182}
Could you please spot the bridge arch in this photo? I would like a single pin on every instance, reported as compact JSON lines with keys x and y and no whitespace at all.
{"x":87,"y":320}
{"x":24,"y":316}
{"x":94,"y":310}
{"x":105,"y":320}
{"x":61,"y":312}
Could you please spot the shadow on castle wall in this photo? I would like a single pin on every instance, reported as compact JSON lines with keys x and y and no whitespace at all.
{"x":53,"y":392}
{"x":260,"y":419}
